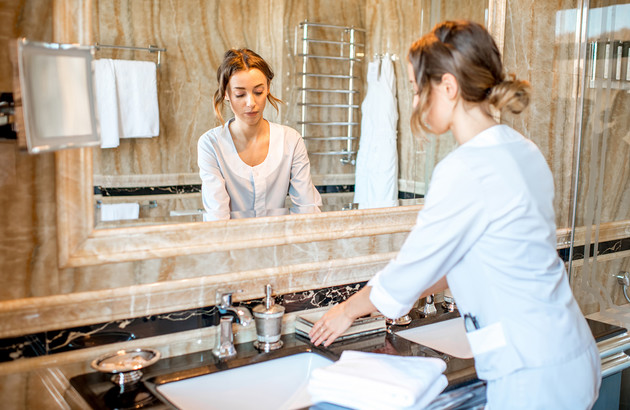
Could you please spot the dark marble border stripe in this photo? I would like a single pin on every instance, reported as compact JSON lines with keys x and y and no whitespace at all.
{"x":150,"y":190}
{"x":194,"y":188}
{"x":603,"y":248}
{"x":64,"y":340}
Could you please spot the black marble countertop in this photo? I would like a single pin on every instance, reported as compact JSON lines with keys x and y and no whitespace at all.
{"x":100,"y":393}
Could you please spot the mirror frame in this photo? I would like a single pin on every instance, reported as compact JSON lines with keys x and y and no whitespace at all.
{"x":80,"y":244}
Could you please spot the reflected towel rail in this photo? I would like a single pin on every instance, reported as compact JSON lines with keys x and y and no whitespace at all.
{"x":343,"y":52}
{"x":329,"y":57}
{"x":324,"y":25}
{"x":151,"y":49}
{"x":327,"y":75}
{"x":322,"y":90}
{"x":330,"y":138}
{"x":328,"y":105}
{"x":341,"y":43}
{"x":150,"y":204}
{"x":328,"y":123}
{"x":344,"y":153}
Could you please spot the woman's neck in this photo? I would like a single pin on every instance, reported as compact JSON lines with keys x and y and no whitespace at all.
{"x":470,"y":120}
{"x":246,"y":132}
{"x":251,"y":141}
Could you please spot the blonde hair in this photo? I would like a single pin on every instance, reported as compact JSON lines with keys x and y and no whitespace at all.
{"x":466,"y":50}
{"x":236,"y":60}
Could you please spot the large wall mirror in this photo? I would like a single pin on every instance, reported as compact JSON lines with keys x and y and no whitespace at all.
{"x":196,"y":40}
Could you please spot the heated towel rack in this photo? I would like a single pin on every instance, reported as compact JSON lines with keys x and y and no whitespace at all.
{"x":608,"y":64}
{"x":329,"y":95}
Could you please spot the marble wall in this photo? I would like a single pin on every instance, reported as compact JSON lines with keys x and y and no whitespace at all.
{"x":37,"y":295}
{"x":28,"y":211}
{"x":32,"y":283}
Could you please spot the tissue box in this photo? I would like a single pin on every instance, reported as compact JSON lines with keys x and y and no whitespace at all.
{"x":366,"y":325}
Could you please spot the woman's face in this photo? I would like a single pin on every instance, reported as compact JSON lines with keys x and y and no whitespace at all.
{"x":247,"y":93}
{"x":437,"y":114}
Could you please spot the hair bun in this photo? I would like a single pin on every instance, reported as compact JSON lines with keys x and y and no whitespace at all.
{"x":510,"y":93}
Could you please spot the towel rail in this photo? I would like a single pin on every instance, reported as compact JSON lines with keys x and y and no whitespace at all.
{"x":344,"y":43}
{"x":329,"y":57}
{"x":348,"y":53}
{"x":327,"y":75}
{"x":321,"y":90}
{"x":150,"y":204}
{"x":323,"y":25}
{"x":331,"y":123}
{"x":344,"y":153}
{"x":330,"y":138}
{"x":328,"y":105}
{"x":151,"y":49}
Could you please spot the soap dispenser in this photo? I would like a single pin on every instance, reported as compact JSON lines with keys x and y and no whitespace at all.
{"x":268,"y":318}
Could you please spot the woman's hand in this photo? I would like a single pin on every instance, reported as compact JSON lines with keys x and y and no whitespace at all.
{"x":339,"y":318}
{"x":331,"y":325}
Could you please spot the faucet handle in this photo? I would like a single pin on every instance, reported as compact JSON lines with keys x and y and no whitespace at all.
{"x":225,"y":348}
{"x":429,"y":306}
{"x":224,"y":297}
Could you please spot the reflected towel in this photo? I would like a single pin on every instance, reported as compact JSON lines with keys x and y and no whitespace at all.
{"x":376,"y":172}
{"x":136,"y":86}
{"x":362,"y":380}
{"x":117,"y":212}
{"x":106,"y":102}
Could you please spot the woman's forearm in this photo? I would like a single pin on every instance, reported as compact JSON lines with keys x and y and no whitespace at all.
{"x":360,"y":304}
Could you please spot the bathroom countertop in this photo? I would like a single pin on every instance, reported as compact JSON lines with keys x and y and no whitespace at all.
{"x":99,"y":392}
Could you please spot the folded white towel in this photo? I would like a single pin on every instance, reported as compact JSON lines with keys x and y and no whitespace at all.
{"x":341,"y":397}
{"x":117,"y":212}
{"x":106,"y":102}
{"x":362,"y":380}
{"x":136,"y":85}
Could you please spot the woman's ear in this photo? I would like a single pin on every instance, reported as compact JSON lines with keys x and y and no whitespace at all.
{"x":451,"y":87}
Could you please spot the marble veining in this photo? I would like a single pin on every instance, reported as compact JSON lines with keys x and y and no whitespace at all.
{"x":33,"y":288}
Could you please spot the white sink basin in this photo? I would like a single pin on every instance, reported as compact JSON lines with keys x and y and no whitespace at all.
{"x":448,"y":336}
{"x":274,"y":384}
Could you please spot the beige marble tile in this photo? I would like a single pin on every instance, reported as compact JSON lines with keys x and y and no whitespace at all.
{"x":605,"y":154}
{"x":534,"y":52}
{"x":115,"y":289}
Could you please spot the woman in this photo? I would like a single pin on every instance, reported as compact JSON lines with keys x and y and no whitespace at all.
{"x":488,"y":232}
{"x":249,"y":165}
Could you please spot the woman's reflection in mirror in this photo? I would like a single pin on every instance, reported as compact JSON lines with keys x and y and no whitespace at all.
{"x":248,"y":164}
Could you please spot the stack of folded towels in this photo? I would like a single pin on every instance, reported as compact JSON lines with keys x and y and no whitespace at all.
{"x":360,"y":380}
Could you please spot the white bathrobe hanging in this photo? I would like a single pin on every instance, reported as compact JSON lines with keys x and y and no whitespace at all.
{"x":376,"y":179}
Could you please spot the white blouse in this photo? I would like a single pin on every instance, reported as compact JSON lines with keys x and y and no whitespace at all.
{"x":488,"y":224}
{"x":232,"y":189}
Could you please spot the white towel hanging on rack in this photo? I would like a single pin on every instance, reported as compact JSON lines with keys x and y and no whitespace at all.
{"x":376,"y":178}
{"x":136,"y":85}
{"x":106,"y":102}
{"x":126,"y":100}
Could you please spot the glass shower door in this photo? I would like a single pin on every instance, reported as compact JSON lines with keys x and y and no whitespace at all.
{"x":602,"y":202}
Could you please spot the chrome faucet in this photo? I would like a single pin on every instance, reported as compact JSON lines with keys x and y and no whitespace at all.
{"x":242,"y":314}
{"x":225,"y":347}
{"x":429,"y":306}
